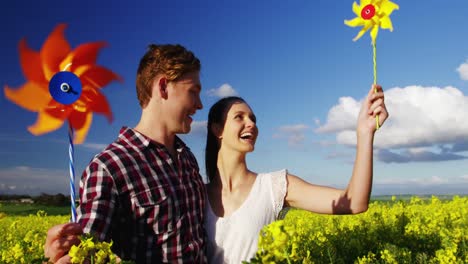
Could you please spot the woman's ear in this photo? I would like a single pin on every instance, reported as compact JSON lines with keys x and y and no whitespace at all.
{"x":217,"y":131}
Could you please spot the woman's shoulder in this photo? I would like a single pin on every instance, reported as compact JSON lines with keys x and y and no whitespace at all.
{"x":273,"y":177}
{"x":276,"y":187}
{"x":274,"y":174}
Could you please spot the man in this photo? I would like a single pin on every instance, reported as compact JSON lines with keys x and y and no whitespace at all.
{"x":144,"y":191}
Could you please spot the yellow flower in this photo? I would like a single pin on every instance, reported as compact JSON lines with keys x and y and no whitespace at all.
{"x":17,"y":252}
{"x":372,"y":14}
{"x":90,"y":249}
{"x":77,"y":255}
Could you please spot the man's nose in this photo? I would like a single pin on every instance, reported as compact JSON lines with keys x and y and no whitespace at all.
{"x":199,"y":103}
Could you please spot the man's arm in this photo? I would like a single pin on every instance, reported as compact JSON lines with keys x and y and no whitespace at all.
{"x":97,"y":200}
{"x":95,"y":211}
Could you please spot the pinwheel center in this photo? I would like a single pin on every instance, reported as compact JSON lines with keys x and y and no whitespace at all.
{"x":368,"y":12}
{"x":65,"y":87}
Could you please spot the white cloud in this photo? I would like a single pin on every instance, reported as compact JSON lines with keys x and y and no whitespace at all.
{"x":463,"y":71}
{"x":408,"y":155}
{"x":419,"y":116}
{"x":294,"y":133}
{"x":417,"y":185}
{"x":423,"y":185}
{"x":422,"y":181}
{"x":224,"y":90}
{"x":199,"y":128}
{"x":419,"y":150}
{"x":340,"y":155}
{"x":23,"y":168}
{"x":317,"y":122}
{"x":417,"y":181}
{"x":425,"y":124}
{"x":28,"y":180}
{"x":93,"y":146}
{"x":341,"y":117}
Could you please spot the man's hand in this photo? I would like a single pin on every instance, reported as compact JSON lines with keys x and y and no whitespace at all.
{"x":60,"y":239}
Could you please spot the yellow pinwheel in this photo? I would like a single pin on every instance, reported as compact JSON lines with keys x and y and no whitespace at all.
{"x":372,"y":14}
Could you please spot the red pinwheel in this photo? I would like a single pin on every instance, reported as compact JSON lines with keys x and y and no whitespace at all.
{"x":40,"y":67}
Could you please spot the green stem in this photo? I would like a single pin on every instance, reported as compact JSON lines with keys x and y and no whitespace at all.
{"x":374,"y":49}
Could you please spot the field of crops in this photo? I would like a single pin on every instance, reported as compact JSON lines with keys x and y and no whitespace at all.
{"x":22,"y":237}
{"x":394,"y":231}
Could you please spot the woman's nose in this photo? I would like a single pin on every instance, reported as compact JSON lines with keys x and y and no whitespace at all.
{"x":250,"y":123}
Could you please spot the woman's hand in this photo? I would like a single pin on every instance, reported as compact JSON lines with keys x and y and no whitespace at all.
{"x":372,"y":106}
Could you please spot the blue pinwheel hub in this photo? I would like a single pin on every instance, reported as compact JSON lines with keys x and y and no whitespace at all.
{"x":65,"y":87}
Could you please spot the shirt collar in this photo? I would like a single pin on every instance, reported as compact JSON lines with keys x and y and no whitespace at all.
{"x":138,"y":139}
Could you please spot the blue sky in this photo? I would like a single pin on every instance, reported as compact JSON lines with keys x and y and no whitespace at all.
{"x":293,"y":61}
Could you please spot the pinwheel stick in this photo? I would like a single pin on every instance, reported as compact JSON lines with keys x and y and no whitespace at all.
{"x":72,"y":171}
{"x":374,"y":49}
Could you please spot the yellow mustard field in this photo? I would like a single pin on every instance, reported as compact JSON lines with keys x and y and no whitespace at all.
{"x":22,"y":237}
{"x":415,"y":231}
{"x":418,"y":231}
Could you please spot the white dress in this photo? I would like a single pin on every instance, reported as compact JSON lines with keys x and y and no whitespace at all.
{"x":234,"y":238}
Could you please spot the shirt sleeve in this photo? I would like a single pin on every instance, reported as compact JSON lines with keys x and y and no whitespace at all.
{"x":279,"y":188}
{"x":97,"y":200}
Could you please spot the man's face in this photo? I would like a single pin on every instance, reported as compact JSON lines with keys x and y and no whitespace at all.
{"x":183,"y":102}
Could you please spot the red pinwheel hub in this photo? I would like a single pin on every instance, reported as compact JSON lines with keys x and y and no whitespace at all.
{"x":368,"y":12}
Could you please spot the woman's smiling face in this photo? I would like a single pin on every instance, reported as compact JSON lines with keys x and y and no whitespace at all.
{"x":240,"y":130}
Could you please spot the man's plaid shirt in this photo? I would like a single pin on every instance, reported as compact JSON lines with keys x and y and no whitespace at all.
{"x":152,"y":207}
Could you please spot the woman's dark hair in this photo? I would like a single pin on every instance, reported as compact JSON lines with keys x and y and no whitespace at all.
{"x":217,"y":115}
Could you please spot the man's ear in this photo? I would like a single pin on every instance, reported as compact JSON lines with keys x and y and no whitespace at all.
{"x":162,"y":87}
{"x":217,"y":130}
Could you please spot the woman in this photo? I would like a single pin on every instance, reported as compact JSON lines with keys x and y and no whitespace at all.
{"x":240,"y":202}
